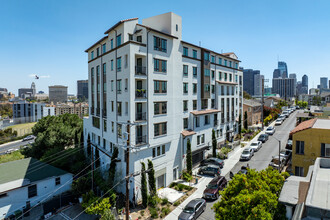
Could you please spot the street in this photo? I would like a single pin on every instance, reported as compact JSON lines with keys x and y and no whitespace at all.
{"x":13,"y":145}
{"x":262,"y":158}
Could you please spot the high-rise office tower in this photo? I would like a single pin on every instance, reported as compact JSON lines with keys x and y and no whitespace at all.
{"x":276,"y":73}
{"x":252,"y":82}
{"x":304,"y":84}
{"x":82,"y":89}
{"x":323,"y":82}
{"x":283,"y":69}
{"x":286,"y":88}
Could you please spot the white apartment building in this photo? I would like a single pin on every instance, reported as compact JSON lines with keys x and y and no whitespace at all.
{"x":24,"y":112}
{"x":170,"y":89}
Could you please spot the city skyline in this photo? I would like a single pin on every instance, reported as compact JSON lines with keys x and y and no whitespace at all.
{"x":51,"y":39}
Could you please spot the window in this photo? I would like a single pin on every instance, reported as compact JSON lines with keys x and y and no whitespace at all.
{"x":194,"y":104}
{"x":206,"y":87}
{"x":225,"y":76}
{"x":119,"y":108}
{"x":111,"y":85}
{"x":185,"y":88}
{"x":197,"y":122}
{"x":230,"y":77}
{"x":92,"y":55}
{"x":206,"y":120}
{"x":119,"y":64}
{"x":185,"y":70}
{"x":119,"y":86}
{"x":126,"y":108}
{"x":112,"y":126}
{"x":112,"y":106}
{"x":230,"y":64}
{"x":57,"y":181}
{"x":119,"y":130}
{"x":194,"y":88}
{"x":97,"y":52}
{"x":212,"y":89}
{"x":220,"y":76}
{"x":160,"y":86}
{"x":161,"y":181}
{"x":160,"y":108}
{"x":325,"y":150}
{"x":204,"y":104}
{"x":160,"y":65}
{"x":206,"y":56}
{"x":185,"y":105}
{"x":104,"y":67}
{"x":96,"y":122}
{"x":104,"y":48}
{"x":225,"y":62}
{"x":185,"y":51}
{"x":213,"y":59}
{"x":105,"y":125}
{"x":158,"y":151}
{"x":300,"y":147}
{"x":212,"y":103}
{"x":160,"y":129}
{"x":139,"y":39}
{"x":206,"y":72}
{"x":130,"y":36}
{"x":118,"y":43}
{"x":126,"y":60}
{"x":212,"y":74}
{"x":195,"y":54}
{"x":177,"y":27}
{"x":200,"y":139}
{"x":111,"y":44}
{"x":194,"y":71}
{"x":299,"y":171}
{"x":220,"y":61}
{"x":32,"y":191}
{"x":236,"y":65}
{"x":185,"y":123}
{"x":126,"y":84}
{"x":160,"y":44}
{"x":111,"y":65}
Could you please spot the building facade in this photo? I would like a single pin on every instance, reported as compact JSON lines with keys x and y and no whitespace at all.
{"x":80,"y":109}
{"x":283,"y":68}
{"x":311,"y":139}
{"x":304,"y":84}
{"x":27,"y":92}
{"x":286,"y":88}
{"x":253,"y":110}
{"x":24,"y":112}
{"x":323,"y":82}
{"x":82,"y":89}
{"x":171,"y":91}
{"x":58,"y":93}
{"x":252,"y":82}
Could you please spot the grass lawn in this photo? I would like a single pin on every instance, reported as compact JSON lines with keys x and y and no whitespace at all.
{"x":23,"y":129}
{"x":11,"y":157}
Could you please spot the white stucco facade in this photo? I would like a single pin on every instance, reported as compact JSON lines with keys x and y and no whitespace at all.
{"x":139,"y":85}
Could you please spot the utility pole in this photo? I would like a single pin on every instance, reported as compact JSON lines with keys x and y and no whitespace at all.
{"x":127,"y":172}
{"x":92,"y":169}
{"x":279,"y":156}
{"x":262,"y":102}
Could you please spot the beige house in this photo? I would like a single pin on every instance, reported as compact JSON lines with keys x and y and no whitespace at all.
{"x":253,"y":109}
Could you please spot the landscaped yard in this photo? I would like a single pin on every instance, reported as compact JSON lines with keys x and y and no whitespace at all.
{"x":23,"y":129}
{"x":11,"y":157}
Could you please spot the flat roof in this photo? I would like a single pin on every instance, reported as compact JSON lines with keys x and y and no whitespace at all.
{"x":322,"y":124}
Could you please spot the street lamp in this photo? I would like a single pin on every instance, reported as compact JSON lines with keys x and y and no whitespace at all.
{"x":279,"y":154}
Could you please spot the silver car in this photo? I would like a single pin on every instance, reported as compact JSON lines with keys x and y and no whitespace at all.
{"x":256,"y":145}
{"x":193,"y":209}
{"x":247,"y":154}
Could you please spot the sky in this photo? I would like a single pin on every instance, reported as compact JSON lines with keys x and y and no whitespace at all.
{"x":48,"y":37}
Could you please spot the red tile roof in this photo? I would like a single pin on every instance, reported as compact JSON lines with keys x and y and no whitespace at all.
{"x":303,"y":126}
{"x":186,"y":133}
{"x":203,"y":112}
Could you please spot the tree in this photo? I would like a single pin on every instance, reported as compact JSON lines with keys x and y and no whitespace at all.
{"x":214,"y":144}
{"x":240,"y":125}
{"x":151,"y":179}
{"x":144,"y":187}
{"x":252,"y":196}
{"x":97,"y":158}
{"x":246,"y":95}
{"x":189,"y":157}
{"x":107,"y":215}
{"x":112,"y":168}
{"x":316,"y":100}
{"x":76,"y":140}
{"x":94,"y":205}
{"x":245,"y":120}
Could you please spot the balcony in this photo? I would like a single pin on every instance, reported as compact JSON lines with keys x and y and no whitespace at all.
{"x":141,"y":116}
{"x":140,"y":140}
{"x":215,"y":122}
{"x":140,"y":93}
{"x":140,"y":70}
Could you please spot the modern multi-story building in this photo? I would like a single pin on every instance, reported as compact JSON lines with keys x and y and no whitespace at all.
{"x":27,"y":92}
{"x":276,"y":73}
{"x":323,"y":82}
{"x":252,"y":82}
{"x":58,"y":93}
{"x":168,"y":90}
{"x":82,"y":89}
{"x":24,"y":112}
{"x":80,"y":109}
{"x":305,"y":84}
{"x":283,"y":69}
{"x":286,"y":87}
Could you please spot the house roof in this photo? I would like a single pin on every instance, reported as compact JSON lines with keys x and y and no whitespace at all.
{"x":157,"y":31}
{"x":322,"y":124}
{"x":18,"y":173}
{"x":251,"y":103}
{"x":203,"y":112}
{"x":118,"y":23}
{"x":186,"y":133}
{"x":228,"y":83}
{"x":304,"y":125}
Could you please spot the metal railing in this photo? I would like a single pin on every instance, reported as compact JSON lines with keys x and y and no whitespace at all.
{"x":139,"y":93}
{"x":141,"y":139}
{"x":140,"y":70}
{"x":215,"y":122}
{"x":141,"y":116}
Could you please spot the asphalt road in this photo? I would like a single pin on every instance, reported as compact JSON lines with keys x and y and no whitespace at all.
{"x":13,"y":145}
{"x":262,"y":158}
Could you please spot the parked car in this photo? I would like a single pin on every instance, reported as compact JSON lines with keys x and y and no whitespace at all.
{"x":278,"y":121}
{"x":193,"y":209}
{"x":213,"y":161}
{"x":275,"y":162}
{"x":212,"y":170}
{"x":287,"y":154}
{"x":212,"y":189}
{"x":243,"y":170}
{"x":10,"y":151}
{"x":270,"y":130}
{"x":289,"y":145}
{"x":282,"y":117}
{"x":263,"y":138}
{"x":247,"y":154}
{"x":28,"y":138}
{"x":285,"y":113}
{"x":256,"y":145}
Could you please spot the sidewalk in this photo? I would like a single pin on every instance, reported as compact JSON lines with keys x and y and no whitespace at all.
{"x":233,"y":158}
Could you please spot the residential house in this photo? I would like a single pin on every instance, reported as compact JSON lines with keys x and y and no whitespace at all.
{"x":253,"y":109}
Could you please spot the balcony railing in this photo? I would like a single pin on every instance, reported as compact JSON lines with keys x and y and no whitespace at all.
{"x":140,"y":70}
{"x":215,"y":122}
{"x":141,"y":139}
{"x":141,"y":93}
{"x":141,"y":116}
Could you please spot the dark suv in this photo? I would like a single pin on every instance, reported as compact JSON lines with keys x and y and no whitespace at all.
{"x":212,"y":170}
{"x":212,"y":189}
{"x":213,"y":161}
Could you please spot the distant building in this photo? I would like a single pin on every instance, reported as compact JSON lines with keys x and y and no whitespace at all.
{"x":80,"y":109}
{"x":268,"y":90}
{"x":314,"y":91}
{"x":323,"y":82}
{"x":293,"y":76}
{"x":283,"y":69}
{"x":299,"y":88}
{"x":82,"y":89}
{"x":3,"y":90}
{"x":304,"y":84}
{"x":276,"y":73}
{"x":27,"y":92}
{"x":253,"y":110}
{"x":24,"y":112}
{"x":21,"y":186}
{"x":58,"y":93}
{"x":258,"y":84}
{"x":286,"y":88}
{"x":252,"y":82}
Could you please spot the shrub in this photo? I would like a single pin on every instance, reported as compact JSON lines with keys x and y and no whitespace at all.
{"x":180,"y":187}
{"x":152,"y":201}
{"x":186,"y":176}
{"x":164,"y":201}
{"x":142,"y":212}
{"x":153,"y":212}
{"x":176,"y":203}
{"x":165,"y":211}
{"x":173,"y":184}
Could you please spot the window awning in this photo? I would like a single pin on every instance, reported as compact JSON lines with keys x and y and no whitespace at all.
{"x":204,"y":112}
{"x":227,"y":83}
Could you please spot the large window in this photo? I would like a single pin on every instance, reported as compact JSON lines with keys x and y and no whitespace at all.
{"x":325,"y":150}
{"x":195,"y":54}
{"x":160,"y":129}
{"x":206,"y":56}
{"x":206,"y":120}
{"x":160,"y":65}
{"x":185,"y":105}
{"x":185,"y":70}
{"x":32,"y":191}
{"x":160,"y":108}
{"x":200,"y":139}
{"x":96,"y":122}
{"x":300,"y":145}
{"x":119,"y":64}
{"x":185,"y":123}
{"x":185,"y":51}
{"x":160,"y":86}
{"x":194,"y":88}
{"x":160,"y":44}
{"x":299,"y":171}
{"x":158,"y":151}
{"x":194,"y":71}
{"x":185,"y":88}
{"x":118,"y":40}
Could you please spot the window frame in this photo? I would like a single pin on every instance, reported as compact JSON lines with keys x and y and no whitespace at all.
{"x":300,"y":148}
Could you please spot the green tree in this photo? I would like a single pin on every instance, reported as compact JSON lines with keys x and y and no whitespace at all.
{"x":107,"y":215}
{"x":245,"y":120}
{"x":246,"y":95}
{"x":189,"y":157}
{"x":112,"y":168}
{"x":252,"y":196}
{"x":94,"y":205}
{"x":144,"y":187}
{"x":151,"y":179}
{"x":214,"y":144}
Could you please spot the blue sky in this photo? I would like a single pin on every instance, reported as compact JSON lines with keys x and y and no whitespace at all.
{"x":48,"y":37}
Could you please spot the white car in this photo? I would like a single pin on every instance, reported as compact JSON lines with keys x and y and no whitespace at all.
{"x":278,"y":121}
{"x":256,"y":146}
{"x":247,"y":154}
{"x":282,"y":117}
{"x":270,"y":130}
